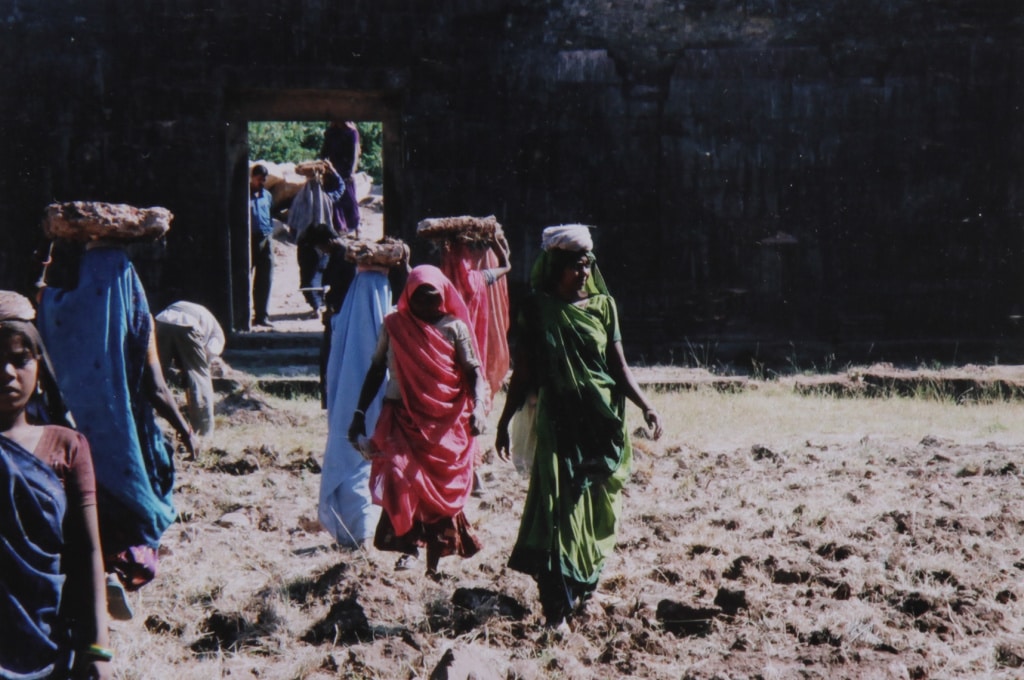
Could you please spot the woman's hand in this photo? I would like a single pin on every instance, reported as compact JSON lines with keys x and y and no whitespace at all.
{"x":478,"y":420}
{"x":502,"y":243}
{"x":357,"y":428}
{"x":88,"y":668}
{"x":501,"y":441}
{"x":189,"y":440}
{"x":99,"y":670}
{"x":653,"y":421}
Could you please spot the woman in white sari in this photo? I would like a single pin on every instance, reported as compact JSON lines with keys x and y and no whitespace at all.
{"x":346,"y":510}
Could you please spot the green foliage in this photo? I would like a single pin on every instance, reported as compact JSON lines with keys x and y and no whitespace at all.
{"x":285,"y":142}
{"x":371,"y":142}
{"x":294,"y":142}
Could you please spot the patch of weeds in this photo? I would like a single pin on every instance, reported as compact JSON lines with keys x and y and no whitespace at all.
{"x":304,"y":461}
{"x":222,"y":631}
{"x":206,"y":597}
{"x":682,"y":620}
{"x":346,"y":622}
{"x":237,"y":468}
{"x":304,"y":590}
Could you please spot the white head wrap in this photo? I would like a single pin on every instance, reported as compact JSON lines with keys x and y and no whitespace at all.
{"x":567,"y":237}
{"x":15,"y":306}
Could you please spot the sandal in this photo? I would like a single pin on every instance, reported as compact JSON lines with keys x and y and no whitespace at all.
{"x":407,"y":563}
{"x":117,"y":600}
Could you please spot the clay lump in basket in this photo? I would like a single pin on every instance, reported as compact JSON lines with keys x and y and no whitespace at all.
{"x":386,"y":252}
{"x":466,"y":229}
{"x":85,"y":221}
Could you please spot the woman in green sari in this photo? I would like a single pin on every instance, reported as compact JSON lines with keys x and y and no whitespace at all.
{"x":570,"y":353}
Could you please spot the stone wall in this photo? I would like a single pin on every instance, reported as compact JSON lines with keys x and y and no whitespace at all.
{"x":761,"y":171}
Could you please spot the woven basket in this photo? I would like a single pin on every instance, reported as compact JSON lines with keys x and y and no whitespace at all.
{"x":386,"y":252}
{"x":466,"y":229}
{"x":85,"y":221}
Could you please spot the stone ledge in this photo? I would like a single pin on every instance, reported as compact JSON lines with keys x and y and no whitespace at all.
{"x":963,"y":385}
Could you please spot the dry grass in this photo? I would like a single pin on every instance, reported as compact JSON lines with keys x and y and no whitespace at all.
{"x":811,"y":537}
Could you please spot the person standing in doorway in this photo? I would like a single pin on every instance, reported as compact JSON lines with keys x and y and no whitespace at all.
{"x":341,"y":148}
{"x":261,"y":236}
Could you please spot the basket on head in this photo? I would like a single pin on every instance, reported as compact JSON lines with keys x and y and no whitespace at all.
{"x":466,"y":229}
{"x":312,"y":168}
{"x":85,"y":221}
{"x":386,"y":252}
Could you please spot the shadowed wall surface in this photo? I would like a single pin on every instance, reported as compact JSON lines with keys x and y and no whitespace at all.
{"x":760,"y":173}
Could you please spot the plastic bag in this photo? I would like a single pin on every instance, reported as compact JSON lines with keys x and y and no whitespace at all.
{"x":523,"y":435}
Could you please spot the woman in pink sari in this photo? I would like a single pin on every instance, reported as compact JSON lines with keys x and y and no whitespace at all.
{"x":424,"y":445}
{"x":478,"y":273}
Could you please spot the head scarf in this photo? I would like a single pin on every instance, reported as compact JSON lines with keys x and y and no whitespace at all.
{"x":428,"y":471}
{"x":431,"y":381}
{"x":563,"y":245}
{"x":429,"y":275}
{"x":567,"y":237}
{"x":16,"y":317}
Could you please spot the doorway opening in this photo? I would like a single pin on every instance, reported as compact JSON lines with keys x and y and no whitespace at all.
{"x":350,"y":200}
{"x":253,"y":114}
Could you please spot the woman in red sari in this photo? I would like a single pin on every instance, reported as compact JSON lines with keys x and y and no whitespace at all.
{"x":423,"y":447}
{"x":477,"y":272}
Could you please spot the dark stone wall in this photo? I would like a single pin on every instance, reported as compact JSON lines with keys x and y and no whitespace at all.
{"x":760,"y":172}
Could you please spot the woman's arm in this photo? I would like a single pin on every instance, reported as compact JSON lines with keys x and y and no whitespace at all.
{"x":479,"y":388}
{"x":371,"y":385}
{"x":466,"y":357}
{"x":500,"y":247}
{"x":95,"y":581}
{"x":627,"y":383}
{"x":88,"y":592}
{"x":160,"y":397}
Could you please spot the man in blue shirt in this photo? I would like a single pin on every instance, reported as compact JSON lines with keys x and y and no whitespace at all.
{"x":261,"y":238}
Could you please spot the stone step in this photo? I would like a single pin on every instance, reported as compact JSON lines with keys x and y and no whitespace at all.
{"x":299,"y":386}
{"x":282,"y":358}
{"x":273,"y":339}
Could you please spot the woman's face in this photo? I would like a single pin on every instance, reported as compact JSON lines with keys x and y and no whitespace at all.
{"x":425,"y":303}
{"x":573,"y":281}
{"x":19,"y":369}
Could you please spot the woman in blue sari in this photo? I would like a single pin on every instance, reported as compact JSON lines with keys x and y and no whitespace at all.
{"x":100,"y":337}
{"x":52,"y":609}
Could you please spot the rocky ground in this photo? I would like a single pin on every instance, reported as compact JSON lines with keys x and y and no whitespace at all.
{"x":768,"y":534}
{"x":867,"y":524}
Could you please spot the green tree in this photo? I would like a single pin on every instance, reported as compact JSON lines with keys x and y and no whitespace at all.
{"x":371,"y":158}
{"x":294,"y":142}
{"x":285,"y":142}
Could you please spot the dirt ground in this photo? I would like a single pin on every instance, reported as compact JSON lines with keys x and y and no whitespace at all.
{"x":813,"y":527}
{"x":768,"y":534}
{"x":288,"y":309}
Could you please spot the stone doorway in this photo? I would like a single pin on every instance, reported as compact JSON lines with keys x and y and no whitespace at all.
{"x":288,"y":309}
